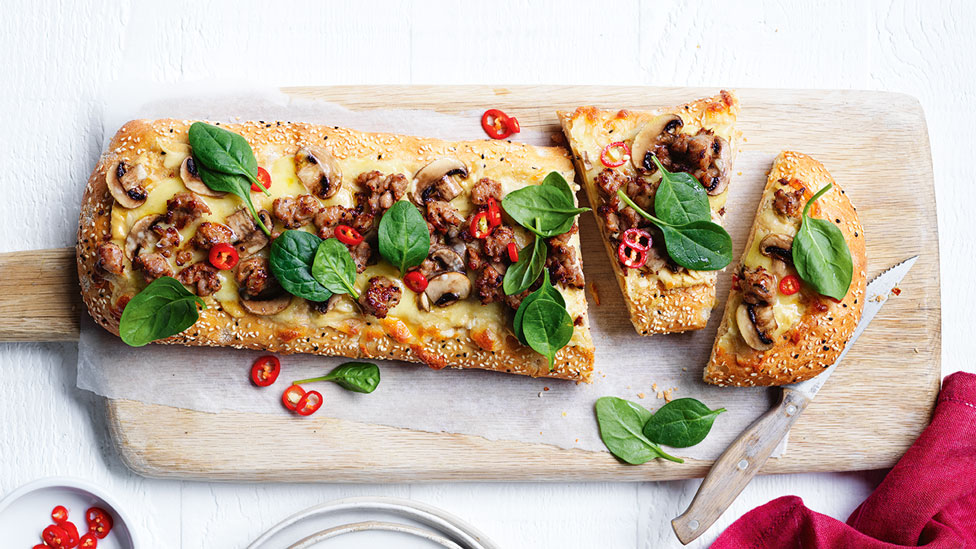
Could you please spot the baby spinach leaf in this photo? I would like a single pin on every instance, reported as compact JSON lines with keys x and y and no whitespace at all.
{"x":821,"y":255}
{"x":291,"y":259}
{"x":699,"y":245}
{"x":681,"y":423}
{"x":404,"y":239}
{"x":546,"y":291}
{"x":237,"y":185}
{"x":547,"y":209}
{"x":360,"y":377}
{"x":556,"y":179}
{"x":532,"y":261}
{"x":680,"y":199}
{"x":334,"y":268}
{"x":223,"y":151}
{"x":547,"y":327}
{"x":621,"y":423}
{"x":162,"y":309}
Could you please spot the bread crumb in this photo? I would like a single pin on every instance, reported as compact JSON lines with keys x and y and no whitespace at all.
{"x":595,"y":294}
{"x":668,"y":394}
{"x":660,"y":394}
{"x":915,"y":350}
{"x":640,"y":395}
{"x":684,"y":369}
{"x":654,"y":387}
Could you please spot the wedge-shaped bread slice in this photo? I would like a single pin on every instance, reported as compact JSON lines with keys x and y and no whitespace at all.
{"x":699,"y":138}
{"x":146,"y":214}
{"x":772,"y":334}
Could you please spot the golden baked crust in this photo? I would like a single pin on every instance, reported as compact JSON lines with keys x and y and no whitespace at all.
{"x":660,"y":302}
{"x":820,"y":326}
{"x":480,"y":338}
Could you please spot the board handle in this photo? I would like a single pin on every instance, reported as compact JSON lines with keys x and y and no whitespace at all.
{"x":41,"y":297}
{"x":733,"y":470}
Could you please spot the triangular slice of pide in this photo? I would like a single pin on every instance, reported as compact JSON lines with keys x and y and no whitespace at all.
{"x":616,"y":150}
{"x":779,"y":326}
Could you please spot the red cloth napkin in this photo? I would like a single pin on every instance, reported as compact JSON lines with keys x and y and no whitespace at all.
{"x":927,"y":500}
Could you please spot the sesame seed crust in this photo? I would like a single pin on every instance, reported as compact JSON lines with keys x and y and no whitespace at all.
{"x":105,"y":295}
{"x":654,"y":309}
{"x":819,"y":336}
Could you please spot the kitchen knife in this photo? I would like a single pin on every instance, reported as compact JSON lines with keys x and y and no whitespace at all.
{"x":733,"y":470}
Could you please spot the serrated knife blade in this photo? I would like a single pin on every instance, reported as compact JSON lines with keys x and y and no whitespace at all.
{"x":875,"y":296}
{"x":733,"y":470}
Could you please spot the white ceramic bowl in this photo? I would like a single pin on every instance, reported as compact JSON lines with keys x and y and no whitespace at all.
{"x":25,"y":512}
{"x":371,"y":522}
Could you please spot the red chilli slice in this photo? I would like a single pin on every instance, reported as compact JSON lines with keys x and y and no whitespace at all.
{"x":224,"y":256}
{"x":615,"y":154}
{"x":265,"y":178}
{"x":309,"y":403}
{"x":265,"y":370}
{"x":292,"y":396}
{"x":416,"y":281}
{"x":496,"y":125}
{"x":59,"y":514}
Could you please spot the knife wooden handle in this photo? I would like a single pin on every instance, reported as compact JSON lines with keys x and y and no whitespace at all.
{"x":737,"y":465}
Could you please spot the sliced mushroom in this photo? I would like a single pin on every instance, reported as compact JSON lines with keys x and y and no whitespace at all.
{"x":140,"y":236}
{"x":435,"y":181}
{"x":653,"y":133}
{"x":248,"y":237}
{"x":717,"y":176}
{"x":265,"y":307}
{"x":777,"y":246}
{"x":318,"y":171}
{"x":756,"y":324}
{"x":191,"y":179}
{"x":125,"y":184}
{"x":445,"y":289}
{"x":447,"y":259}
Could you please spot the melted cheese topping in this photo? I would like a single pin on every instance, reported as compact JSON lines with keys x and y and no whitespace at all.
{"x":164,"y":182}
{"x":588,"y":141}
{"x":787,"y":309}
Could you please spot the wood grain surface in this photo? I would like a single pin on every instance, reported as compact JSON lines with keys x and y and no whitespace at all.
{"x":875,"y":144}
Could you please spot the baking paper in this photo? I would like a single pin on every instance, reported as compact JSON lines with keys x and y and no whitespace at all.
{"x":492,"y":405}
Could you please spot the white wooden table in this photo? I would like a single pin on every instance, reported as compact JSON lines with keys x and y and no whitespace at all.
{"x":58,"y":58}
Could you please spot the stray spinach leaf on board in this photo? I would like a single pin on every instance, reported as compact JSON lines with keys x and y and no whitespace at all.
{"x":680,"y":199}
{"x":360,"y":377}
{"x":699,"y":245}
{"x":404,"y":239}
{"x":291,"y":259}
{"x":546,"y":291}
{"x":162,"y":309}
{"x":547,"y":210}
{"x":334,"y":268}
{"x":532,"y":261}
{"x":621,"y":428}
{"x":820,"y":254}
{"x":681,"y":423}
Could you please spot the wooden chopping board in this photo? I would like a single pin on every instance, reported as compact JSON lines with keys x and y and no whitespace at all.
{"x":875,"y":144}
